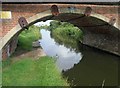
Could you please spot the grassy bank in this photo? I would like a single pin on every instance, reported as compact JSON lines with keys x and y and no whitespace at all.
{"x":28,"y":72}
{"x":26,"y":37}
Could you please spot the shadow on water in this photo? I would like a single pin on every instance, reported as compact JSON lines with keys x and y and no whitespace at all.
{"x":80,"y":64}
{"x":94,"y":68}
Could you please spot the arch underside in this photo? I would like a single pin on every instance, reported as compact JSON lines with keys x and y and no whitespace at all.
{"x":97,"y":33}
{"x":83,"y":22}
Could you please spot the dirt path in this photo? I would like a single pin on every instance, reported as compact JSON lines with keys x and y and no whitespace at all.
{"x":36,"y":53}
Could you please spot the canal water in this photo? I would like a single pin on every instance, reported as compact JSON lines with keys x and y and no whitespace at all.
{"x":82,"y":65}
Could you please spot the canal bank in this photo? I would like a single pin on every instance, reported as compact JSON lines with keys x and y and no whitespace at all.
{"x":30,"y":66}
{"x":82,"y":65}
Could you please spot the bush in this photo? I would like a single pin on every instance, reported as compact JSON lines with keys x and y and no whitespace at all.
{"x":64,"y":28}
{"x":67,"y":34}
{"x":54,"y":24}
{"x":26,"y":37}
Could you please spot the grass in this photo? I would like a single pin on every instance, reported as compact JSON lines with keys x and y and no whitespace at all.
{"x":41,"y":72}
{"x":28,"y":72}
{"x":26,"y":37}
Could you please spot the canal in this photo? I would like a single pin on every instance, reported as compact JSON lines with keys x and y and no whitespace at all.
{"x":79,"y":64}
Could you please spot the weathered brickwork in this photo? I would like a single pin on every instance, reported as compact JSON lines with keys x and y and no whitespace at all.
{"x":29,"y":10}
{"x":10,"y":47}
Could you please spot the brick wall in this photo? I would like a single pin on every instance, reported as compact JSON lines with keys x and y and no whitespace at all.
{"x":10,"y":47}
{"x":28,"y":10}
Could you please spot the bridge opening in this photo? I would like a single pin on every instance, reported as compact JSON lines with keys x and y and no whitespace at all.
{"x":71,"y":57}
{"x":85,"y":18}
{"x":97,"y":33}
{"x":76,"y":62}
{"x":26,"y":37}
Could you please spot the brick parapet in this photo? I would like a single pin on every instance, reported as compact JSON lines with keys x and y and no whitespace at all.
{"x":28,"y":10}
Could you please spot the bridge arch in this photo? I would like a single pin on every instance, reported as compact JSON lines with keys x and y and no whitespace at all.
{"x":47,"y":15}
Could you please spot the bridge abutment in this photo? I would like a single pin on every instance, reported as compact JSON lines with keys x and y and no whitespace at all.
{"x":10,"y":47}
{"x":105,"y":42}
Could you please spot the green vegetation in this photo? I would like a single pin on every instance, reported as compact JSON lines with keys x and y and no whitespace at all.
{"x":66,"y":34}
{"x":66,"y":29}
{"x":26,"y":37}
{"x":43,"y":71}
{"x":29,"y":72}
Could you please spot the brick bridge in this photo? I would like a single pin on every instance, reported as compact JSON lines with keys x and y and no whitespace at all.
{"x":100,"y":23}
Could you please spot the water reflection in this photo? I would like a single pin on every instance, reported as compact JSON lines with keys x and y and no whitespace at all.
{"x":66,"y":58}
{"x":84,"y":67}
{"x":94,"y":68}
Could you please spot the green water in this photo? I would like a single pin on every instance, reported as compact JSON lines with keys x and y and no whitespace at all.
{"x":80,"y":64}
